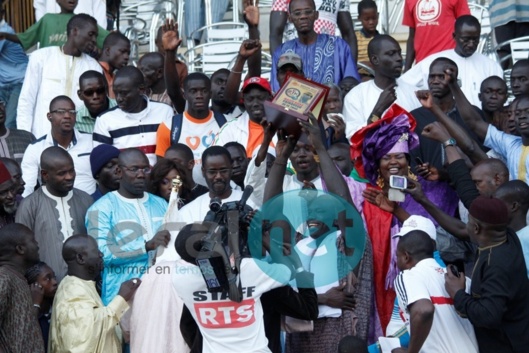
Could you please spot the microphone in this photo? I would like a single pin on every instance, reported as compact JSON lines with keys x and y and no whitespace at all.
{"x":245,"y":195}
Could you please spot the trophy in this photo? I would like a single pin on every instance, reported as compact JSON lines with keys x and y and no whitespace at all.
{"x":295,"y":99}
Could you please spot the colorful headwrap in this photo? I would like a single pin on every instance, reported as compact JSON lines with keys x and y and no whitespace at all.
{"x":391,"y":134}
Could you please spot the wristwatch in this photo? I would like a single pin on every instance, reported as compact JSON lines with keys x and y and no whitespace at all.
{"x":450,"y":142}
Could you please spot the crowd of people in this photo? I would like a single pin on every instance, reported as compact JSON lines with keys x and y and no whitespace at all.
{"x":393,"y":220}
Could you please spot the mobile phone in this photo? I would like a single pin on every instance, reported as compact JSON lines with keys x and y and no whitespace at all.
{"x":454,"y":270}
{"x":398,"y":182}
{"x":419,"y":160}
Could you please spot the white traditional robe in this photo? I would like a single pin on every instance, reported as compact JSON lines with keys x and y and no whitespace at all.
{"x":50,"y":73}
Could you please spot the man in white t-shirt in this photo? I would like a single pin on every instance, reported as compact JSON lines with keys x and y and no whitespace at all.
{"x":473,"y":66}
{"x":368,"y":101}
{"x":226,"y":326}
{"x":196,"y":127}
{"x":133,"y":123}
{"x":434,"y":324}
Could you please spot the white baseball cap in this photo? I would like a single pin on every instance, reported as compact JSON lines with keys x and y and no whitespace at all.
{"x":418,"y":223}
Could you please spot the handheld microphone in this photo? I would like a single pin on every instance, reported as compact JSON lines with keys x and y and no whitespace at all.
{"x":245,"y":195}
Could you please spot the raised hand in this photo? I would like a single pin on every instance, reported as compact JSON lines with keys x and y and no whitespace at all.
{"x":251,"y":12}
{"x":450,"y":75}
{"x":425,"y":97}
{"x":337,"y":122}
{"x":170,"y":38}
{"x":312,"y":129}
{"x":436,"y":131}
{"x":428,"y":172}
{"x":249,"y":47}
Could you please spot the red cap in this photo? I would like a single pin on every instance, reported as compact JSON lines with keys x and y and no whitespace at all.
{"x":259,"y":81}
{"x":4,"y":173}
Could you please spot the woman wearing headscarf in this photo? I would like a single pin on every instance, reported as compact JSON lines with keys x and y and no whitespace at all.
{"x":381,"y":150}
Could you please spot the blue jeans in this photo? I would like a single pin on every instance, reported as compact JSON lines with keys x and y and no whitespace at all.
{"x":9,"y":94}
{"x":195,"y":17}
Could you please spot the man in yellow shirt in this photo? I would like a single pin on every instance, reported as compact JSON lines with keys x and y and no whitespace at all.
{"x":80,"y":322}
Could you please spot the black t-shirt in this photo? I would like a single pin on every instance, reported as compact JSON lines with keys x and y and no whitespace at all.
{"x":431,"y":151}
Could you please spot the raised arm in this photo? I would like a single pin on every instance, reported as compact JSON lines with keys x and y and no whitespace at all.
{"x":346,"y":26}
{"x":457,"y":169}
{"x":467,"y":111}
{"x":171,"y":41}
{"x":274,"y":184}
{"x":329,"y":172}
{"x":251,"y":17}
{"x":249,"y":47}
{"x":464,"y":141}
{"x":278,"y":20}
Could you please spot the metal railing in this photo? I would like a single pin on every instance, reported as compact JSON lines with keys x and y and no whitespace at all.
{"x":19,"y":14}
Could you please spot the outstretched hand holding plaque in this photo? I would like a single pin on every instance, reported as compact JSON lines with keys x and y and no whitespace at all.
{"x":295,"y":99}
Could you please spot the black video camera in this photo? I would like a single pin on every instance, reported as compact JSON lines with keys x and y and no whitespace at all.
{"x":227,"y":237}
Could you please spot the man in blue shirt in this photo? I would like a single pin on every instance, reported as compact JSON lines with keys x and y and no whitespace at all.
{"x":13,"y":63}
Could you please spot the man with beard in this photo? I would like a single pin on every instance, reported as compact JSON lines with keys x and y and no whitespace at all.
{"x":218,"y":87}
{"x":55,"y":71}
{"x":473,"y":66}
{"x":126,"y":224}
{"x":134,"y":122}
{"x":77,"y":303}
{"x":93,"y":91}
{"x":63,"y":134}
{"x":8,"y":193}
{"x":19,"y":328}
{"x":196,"y":127}
{"x":16,"y":173}
{"x":247,"y":129}
{"x":55,"y":211}
{"x":368,"y":101}
{"x":151,"y":66}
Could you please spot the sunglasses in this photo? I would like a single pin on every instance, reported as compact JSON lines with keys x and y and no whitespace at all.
{"x":90,"y":92}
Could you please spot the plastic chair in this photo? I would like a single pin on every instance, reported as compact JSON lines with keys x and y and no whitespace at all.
{"x":142,"y":19}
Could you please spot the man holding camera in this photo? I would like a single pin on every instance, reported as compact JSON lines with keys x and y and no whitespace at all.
{"x":214,"y":313}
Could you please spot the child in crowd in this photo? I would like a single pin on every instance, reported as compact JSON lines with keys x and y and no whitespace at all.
{"x":43,"y":283}
{"x":368,"y":16}
{"x":50,"y":30}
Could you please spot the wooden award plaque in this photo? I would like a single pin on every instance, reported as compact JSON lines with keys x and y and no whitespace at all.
{"x":295,"y":99}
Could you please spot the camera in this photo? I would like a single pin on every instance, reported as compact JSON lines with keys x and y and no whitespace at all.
{"x":398,"y":182}
{"x":226,"y":238}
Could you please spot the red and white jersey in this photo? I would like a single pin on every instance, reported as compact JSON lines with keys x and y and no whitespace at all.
{"x":449,"y":333}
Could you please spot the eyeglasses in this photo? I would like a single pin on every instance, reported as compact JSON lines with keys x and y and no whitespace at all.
{"x":64,"y":111}
{"x":90,"y":91}
{"x":299,"y":13}
{"x":213,"y":172}
{"x":136,"y":170}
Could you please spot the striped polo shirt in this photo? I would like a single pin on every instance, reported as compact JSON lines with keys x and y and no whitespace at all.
{"x":126,"y":130}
